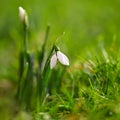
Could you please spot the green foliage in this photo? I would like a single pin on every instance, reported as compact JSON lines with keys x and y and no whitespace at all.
{"x":36,"y":84}
{"x":88,"y":89}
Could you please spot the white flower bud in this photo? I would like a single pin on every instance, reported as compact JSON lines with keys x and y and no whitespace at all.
{"x":53,"y":61}
{"x":63,"y":59}
{"x":22,"y":14}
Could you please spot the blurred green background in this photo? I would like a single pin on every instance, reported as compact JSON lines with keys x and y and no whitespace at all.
{"x":86,"y":24}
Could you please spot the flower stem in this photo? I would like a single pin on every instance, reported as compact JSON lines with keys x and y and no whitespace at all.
{"x":25,"y":41}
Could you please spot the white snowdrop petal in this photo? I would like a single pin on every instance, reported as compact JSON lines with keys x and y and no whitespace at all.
{"x":63,"y":59}
{"x":21,"y":13}
{"x":53,"y":61}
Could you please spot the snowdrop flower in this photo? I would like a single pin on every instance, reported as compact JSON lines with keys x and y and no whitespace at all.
{"x":59,"y":56}
{"x":22,"y":14}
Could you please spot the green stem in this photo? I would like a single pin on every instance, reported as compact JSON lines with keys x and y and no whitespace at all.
{"x":42,"y":53}
{"x":25,"y":42}
{"x":48,"y":59}
{"x":40,"y":81}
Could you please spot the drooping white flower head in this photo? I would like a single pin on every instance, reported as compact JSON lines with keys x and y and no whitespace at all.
{"x":62,"y":58}
{"x":22,"y":14}
{"x":53,"y":61}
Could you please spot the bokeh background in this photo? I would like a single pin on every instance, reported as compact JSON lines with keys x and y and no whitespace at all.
{"x":88,"y":25}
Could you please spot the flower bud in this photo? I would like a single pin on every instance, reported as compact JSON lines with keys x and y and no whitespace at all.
{"x":63,"y":59}
{"x":53,"y":61}
{"x":59,"y":56}
{"x":22,"y":14}
{"x":23,"y":17}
